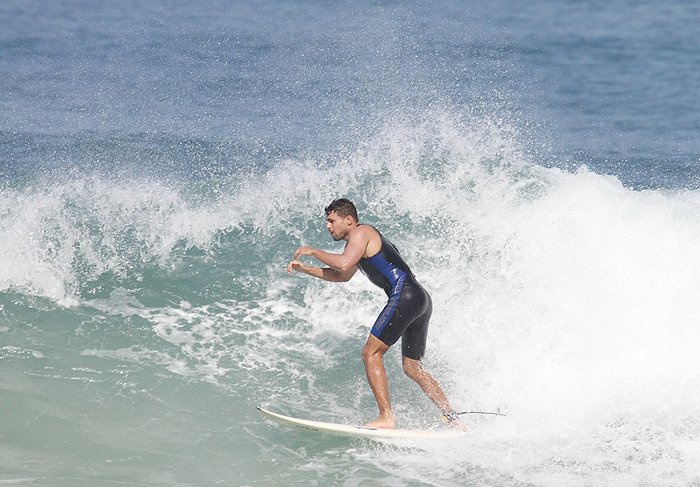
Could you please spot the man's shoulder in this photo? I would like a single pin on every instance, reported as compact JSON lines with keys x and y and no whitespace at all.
{"x":365,"y":230}
{"x":369,"y":237}
{"x":364,"y":234}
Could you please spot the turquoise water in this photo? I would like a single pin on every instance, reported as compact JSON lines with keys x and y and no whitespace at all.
{"x":160,"y":163}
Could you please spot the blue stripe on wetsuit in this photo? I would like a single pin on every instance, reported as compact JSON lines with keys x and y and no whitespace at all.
{"x":396,"y":278}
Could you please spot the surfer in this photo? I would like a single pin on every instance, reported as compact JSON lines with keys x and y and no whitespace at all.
{"x":406,"y":314}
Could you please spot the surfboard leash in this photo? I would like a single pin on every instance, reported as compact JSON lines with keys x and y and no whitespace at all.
{"x":450,"y":416}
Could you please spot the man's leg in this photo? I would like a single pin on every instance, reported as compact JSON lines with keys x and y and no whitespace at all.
{"x":376,"y":375}
{"x":414,"y":369}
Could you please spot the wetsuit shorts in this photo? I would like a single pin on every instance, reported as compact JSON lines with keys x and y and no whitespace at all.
{"x":406,"y":315}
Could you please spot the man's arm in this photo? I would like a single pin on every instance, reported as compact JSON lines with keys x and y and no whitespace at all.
{"x":354,"y":250}
{"x":325,"y":273}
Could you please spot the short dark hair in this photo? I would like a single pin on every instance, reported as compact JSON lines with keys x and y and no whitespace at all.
{"x":342,"y":207}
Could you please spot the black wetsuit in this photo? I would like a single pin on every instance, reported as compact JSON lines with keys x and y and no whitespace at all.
{"x":409,"y":308}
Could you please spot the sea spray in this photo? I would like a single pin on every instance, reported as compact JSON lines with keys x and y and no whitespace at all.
{"x":562,"y":299}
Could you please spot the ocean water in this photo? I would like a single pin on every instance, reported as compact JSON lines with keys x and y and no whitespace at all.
{"x":537,"y":164}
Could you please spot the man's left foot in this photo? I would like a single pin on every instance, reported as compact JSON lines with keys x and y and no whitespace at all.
{"x":383,"y":423}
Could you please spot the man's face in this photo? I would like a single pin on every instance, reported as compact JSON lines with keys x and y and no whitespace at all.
{"x":337,"y":226}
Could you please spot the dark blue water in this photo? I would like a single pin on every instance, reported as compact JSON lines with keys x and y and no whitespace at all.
{"x":612,"y":85}
{"x":537,"y":164}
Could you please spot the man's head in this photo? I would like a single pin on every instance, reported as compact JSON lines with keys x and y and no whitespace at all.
{"x":341,"y":217}
{"x":342,"y":207}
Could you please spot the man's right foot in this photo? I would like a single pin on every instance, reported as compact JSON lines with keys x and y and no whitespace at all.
{"x":452,"y":419}
{"x":458,"y":425}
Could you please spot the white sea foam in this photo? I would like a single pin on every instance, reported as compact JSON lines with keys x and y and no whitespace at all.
{"x":562,"y":298}
{"x":60,"y":236}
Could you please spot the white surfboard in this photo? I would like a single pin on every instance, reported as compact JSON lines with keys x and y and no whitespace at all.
{"x":359,"y":431}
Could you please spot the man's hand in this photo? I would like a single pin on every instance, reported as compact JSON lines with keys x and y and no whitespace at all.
{"x":303,"y":251}
{"x":295,"y":265}
{"x":325,"y":273}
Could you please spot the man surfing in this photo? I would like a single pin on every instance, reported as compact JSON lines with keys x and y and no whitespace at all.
{"x":406,"y":314}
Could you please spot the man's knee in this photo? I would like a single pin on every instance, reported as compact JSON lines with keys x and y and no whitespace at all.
{"x":412,"y":368}
{"x":366,"y":353}
{"x":373,"y":348}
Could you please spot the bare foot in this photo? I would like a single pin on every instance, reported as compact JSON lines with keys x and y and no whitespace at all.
{"x":384,"y":423}
{"x":458,"y":424}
